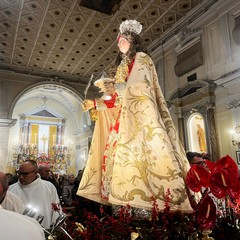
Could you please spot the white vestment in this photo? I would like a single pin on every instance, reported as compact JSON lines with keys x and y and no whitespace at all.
{"x":13,"y":203}
{"x":39,"y":194}
{"x":16,"y":226}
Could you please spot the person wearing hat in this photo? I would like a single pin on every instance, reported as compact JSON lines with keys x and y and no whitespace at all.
{"x":143,"y":158}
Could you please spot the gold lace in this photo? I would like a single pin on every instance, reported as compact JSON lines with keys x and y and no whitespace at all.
{"x":122,"y":71}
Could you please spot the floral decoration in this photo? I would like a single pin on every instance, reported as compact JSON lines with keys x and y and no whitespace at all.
{"x":216,"y":215}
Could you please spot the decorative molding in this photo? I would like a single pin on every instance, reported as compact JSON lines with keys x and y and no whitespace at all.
{"x":188,"y":38}
{"x":7,"y":122}
{"x":228,"y":78}
{"x":233,"y":104}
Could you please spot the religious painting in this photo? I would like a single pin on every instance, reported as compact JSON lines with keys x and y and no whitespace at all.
{"x":196,"y":133}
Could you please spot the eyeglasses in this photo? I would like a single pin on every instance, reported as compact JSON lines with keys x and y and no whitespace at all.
{"x":24,"y":174}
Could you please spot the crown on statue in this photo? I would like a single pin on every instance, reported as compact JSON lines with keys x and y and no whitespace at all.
{"x":130,"y":25}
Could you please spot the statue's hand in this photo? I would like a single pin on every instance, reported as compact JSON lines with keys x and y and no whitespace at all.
{"x":87,"y":105}
{"x":107,"y":88}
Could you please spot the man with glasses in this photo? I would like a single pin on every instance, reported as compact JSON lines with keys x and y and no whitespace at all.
{"x":27,"y":228}
{"x":9,"y":200}
{"x":37,"y":194}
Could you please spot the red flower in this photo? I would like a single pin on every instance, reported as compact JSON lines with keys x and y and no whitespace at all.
{"x":206,"y":213}
{"x":210,"y":165}
{"x":224,"y":178}
{"x":56,"y":206}
{"x":197,"y":177}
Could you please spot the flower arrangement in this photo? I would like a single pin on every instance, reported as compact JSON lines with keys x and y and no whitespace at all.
{"x":219,"y":183}
{"x":216,"y":215}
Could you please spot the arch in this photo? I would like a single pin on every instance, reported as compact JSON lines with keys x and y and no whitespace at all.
{"x":196,"y":133}
{"x":39,"y":85}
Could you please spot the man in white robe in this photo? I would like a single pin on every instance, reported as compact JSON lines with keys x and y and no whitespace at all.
{"x":20,"y":227}
{"x":9,"y":200}
{"x":38,"y":195}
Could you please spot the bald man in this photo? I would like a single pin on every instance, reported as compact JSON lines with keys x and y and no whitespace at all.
{"x":37,"y":194}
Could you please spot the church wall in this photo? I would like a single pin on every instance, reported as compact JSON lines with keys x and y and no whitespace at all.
{"x":172,"y":82}
{"x":221,"y":61}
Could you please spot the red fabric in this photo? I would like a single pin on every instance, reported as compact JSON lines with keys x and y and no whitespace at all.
{"x":111,"y":102}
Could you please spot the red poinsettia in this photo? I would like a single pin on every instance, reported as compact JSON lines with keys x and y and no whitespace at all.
{"x":206,"y":214}
{"x":224,"y":178}
{"x":197,"y":177}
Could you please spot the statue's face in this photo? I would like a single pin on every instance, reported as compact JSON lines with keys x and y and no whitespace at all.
{"x":123,"y":44}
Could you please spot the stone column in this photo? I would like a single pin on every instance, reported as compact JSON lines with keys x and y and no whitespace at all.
{"x":212,"y":134}
{"x":181,"y":128}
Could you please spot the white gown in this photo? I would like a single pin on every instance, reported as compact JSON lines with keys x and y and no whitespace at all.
{"x":13,"y":203}
{"x":39,"y":194}
{"x":16,"y":226}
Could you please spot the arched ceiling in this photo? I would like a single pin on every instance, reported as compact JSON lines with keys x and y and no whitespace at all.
{"x":63,"y":39}
{"x":50,"y":95}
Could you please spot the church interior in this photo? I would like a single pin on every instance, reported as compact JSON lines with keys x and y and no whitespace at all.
{"x":52,"y":52}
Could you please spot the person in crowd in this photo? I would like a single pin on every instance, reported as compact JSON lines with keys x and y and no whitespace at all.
{"x":68,"y":191}
{"x":46,"y":174}
{"x":9,"y":176}
{"x":14,"y":225}
{"x":194,"y":158}
{"x":143,"y":157}
{"x":199,"y":158}
{"x":76,"y":183}
{"x":9,"y":200}
{"x":206,"y":156}
{"x":38,"y":195}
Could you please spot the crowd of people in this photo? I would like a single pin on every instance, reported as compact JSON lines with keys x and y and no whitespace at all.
{"x":29,"y":195}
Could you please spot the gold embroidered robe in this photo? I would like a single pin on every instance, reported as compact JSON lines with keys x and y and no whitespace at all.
{"x":148,"y":159}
